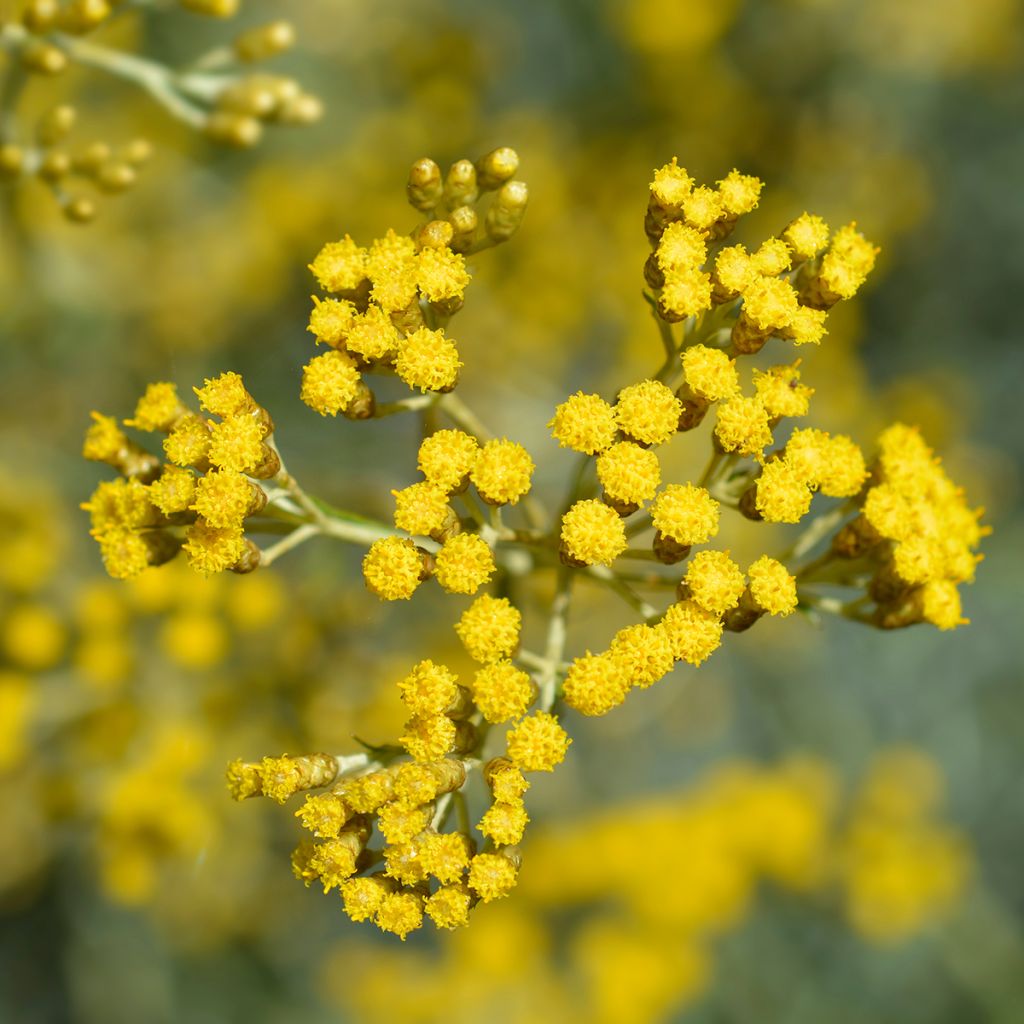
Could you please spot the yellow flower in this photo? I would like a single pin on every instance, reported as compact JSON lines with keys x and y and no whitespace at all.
{"x":489,"y":629}
{"x":174,"y":490}
{"x":340,"y":266}
{"x":492,"y":875}
{"x":213,"y":549}
{"x":502,"y":472}
{"x":158,"y":409}
{"x":685,"y":514}
{"x":782,"y":494}
{"x":743,"y":427}
{"x":687,"y":292}
{"x":422,"y":509}
{"x":693,"y":632}
{"x":225,"y":395}
{"x":428,"y":361}
{"x":330,"y":383}
{"x":330,"y":320}
{"x":447,"y":457}
{"x":441,"y":274}
{"x":538,"y":743}
{"x":504,"y":823}
{"x":595,"y":683}
{"x":430,"y":689}
{"x":584,"y":423}
{"x":464,"y":564}
{"x":445,"y":856}
{"x":715,"y":581}
{"x":393,"y":568}
{"x":681,"y":247}
{"x":806,"y":236}
{"x":372,"y":335}
{"x":593,"y":533}
{"x":502,"y":692}
{"x":643,"y":653}
{"x":449,"y":907}
{"x":364,"y":896}
{"x":429,"y":737}
{"x":628,"y":473}
{"x":739,"y":192}
{"x":400,"y":913}
{"x":709,"y":373}
{"x":780,"y":391}
{"x":648,"y":412}
{"x":772,"y":588}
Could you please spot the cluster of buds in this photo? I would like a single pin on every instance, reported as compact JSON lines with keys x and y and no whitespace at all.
{"x":64,"y":168}
{"x":388,"y":304}
{"x":199,"y":498}
{"x":420,"y":868}
{"x":216,"y":94}
{"x":897,"y":531}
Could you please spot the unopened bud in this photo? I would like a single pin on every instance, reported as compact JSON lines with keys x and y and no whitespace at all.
{"x":507,"y":211}
{"x":425,"y":188}
{"x":494,"y":169}
{"x":265,"y":41}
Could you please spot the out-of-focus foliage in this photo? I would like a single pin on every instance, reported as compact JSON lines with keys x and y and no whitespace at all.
{"x":799,"y":869}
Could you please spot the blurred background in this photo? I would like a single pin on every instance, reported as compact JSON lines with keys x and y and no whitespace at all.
{"x":820,"y":824}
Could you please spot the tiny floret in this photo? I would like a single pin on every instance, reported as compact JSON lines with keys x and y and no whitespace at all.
{"x":584,"y":423}
{"x":464,"y":564}
{"x":393,"y":568}
{"x":593,"y":533}
{"x":715,"y":581}
{"x":772,"y":588}
{"x":502,"y":692}
{"x":629,"y":473}
{"x":648,"y":412}
{"x":709,"y":373}
{"x":538,"y":743}
{"x":489,"y":629}
{"x":685,"y":514}
{"x":502,"y":472}
{"x":447,"y":457}
{"x":428,"y":361}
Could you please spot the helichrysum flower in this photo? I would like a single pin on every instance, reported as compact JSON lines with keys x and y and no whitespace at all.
{"x":441,"y":274}
{"x":489,"y":629}
{"x":464,"y":563}
{"x":772,"y":257}
{"x":492,"y":875}
{"x":340,"y":266}
{"x":686,"y":292}
{"x":330,"y":383}
{"x":781,"y":393}
{"x":644,"y":653}
{"x":224,"y":498}
{"x":159,"y":408}
{"x":399,"y":823}
{"x":364,"y":896}
{"x":628,"y":473}
{"x":681,"y":247}
{"x":444,"y":856}
{"x":323,"y":814}
{"x":393,"y":568}
{"x":734,"y":272}
{"x":685,"y":514}
{"x":693,"y":632}
{"x":213,"y":549}
{"x":188,"y":443}
{"x":429,"y":737}
{"x":807,"y":326}
{"x":428,"y":361}
{"x":502,"y":692}
{"x":502,"y":472}
{"x":772,"y":588}
{"x":372,"y":335}
{"x":538,"y":743}
{"x":769,"y":304}
{"x":225,"y":396}
{"x":447,"y":457}
{"x":709,"y":373}
{"x":422,"y":509}
{"x":593,"y":533}
{"x":584,"y":423}
{"x":806,"y":236}
{"x":715,"y":581}
{"x":702,"y":207}
{"x":504,"y":823}
{"x":595,"y":684}
{"x":449,"y":907}
{"x":648,"y":412}
{"x":430,"y":689}
{"x":782,"y":493}
{"x":670,"y":186}
{"x":743,"y":427}
{"x":739,"y":193}
{"x":330,"y":320}
{"x":237,"y":443}
{"x":400,"y":913}
{"x":174,"y":490}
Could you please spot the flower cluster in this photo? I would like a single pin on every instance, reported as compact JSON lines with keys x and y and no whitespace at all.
{"x":217,"y":94}
{"x":199,"y":498}
{"x":388,"y":304}
{"x":896,"y":531}
{"x":420,"y":870}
